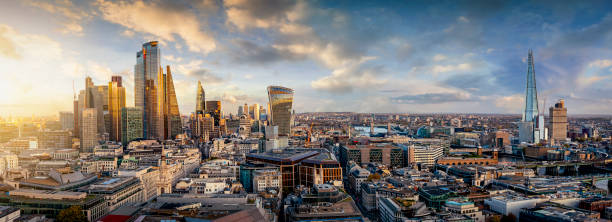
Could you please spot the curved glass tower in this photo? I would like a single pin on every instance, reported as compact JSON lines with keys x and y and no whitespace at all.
{"x":281,"y":101}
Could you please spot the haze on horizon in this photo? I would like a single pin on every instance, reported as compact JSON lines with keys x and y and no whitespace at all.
{"x":388,"y":57}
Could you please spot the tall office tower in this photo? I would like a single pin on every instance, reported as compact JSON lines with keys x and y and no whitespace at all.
{"x":254,"y":111}
{"x":240,"y":111}
{"x":116,"y":102}
{"x":531,"y":93}
{"x":213,"y":108}
{"x":89,"y":131}
{"x":558,"y":121}
{"x":95,"y":97}
{"x":245,"y":110}
{"x":67,"y":120}
{"x":145,"y":86}
{"x":200,"y":99}
{"x":531,"y":126}
{"x":76,"y":128}
{"x":280,"y":103}
{"x":169,"y":123}
{"x":131,"y":124}
{"x":104,"y":120}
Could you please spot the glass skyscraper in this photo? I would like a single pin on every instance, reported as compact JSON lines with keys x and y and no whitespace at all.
{"x":116,"y":102}
{"x":200,"y":99}
{"x":131,"y":124}
{"x":281,"y":101}
{"x":145,"y":86}
{"x":531,"y":93}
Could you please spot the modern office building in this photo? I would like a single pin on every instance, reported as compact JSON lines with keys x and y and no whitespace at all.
{"x":425,"y":155}
{"x":213,"y":107}
{"x":319,"y":169}
{"x":55,"y":139}
{"x":266,"y":179}
{"x":50,"y":203}
{"x":89,"y":130}
{"x":531,"y":126}
{"x":66,"y":120}
{"x":281,"y":101}
{"x":558,"y":121}
{"x":383,"y":153}
{"x":116,"y":102}
{"x":169,"y":122}
{"x":200,"y":99}
{"x":131,"y":124}
{"x":145,"y":86}
{"x":254,"y":111}
{"x":117,"y":191}
{"x":461,"y":205}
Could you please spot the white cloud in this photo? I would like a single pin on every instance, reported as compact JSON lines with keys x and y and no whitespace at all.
{"x":65,"y":8}
{"x":349,"y":77}
{"x":490,"y":50}
{"x":248,"y":76}
{"x":510,"y":104}
{"x":451,"y":68}
{"x":164,"y":23}
{"x":602,"y":63}
{"x":439,"y":57}
{"x":463,"y":19}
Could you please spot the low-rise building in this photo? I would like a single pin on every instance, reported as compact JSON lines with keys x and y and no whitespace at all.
{"x":117,"y":191}
{"x":50,"y":203}
{"x":464,"y":207}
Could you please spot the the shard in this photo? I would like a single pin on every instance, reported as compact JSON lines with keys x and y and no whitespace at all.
{"x":531,"y":93}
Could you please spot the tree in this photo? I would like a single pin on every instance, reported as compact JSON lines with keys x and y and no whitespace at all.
{"x":71,"y":214}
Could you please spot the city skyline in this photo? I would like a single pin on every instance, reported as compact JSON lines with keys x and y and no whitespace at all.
{"x":455,"y":63}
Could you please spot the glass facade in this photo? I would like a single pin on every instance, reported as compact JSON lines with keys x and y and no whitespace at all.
{"x":116,"y":102}
{"x":131,"y":123}
{"x":145,"y":84}
{"x":281,"y":101}
{"x":531,"y":93}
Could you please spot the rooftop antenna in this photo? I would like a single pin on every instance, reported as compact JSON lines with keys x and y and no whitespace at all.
{"x":73,"y":92}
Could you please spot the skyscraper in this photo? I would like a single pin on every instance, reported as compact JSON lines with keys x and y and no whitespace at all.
{"x":131,"y":124}
{"x":145,"y":86}
{"x":89,"y":130}
{"x":531,"y":126}
{"x":116,"y":102}
{"x":169,"y":122}
{"x":67,"y":120}
{"x":558,"y":121}
{"x":280,"y":103}
{"x":531,"y":93}
{"x":95,"y":97}
{"x":200,"y":99}
{"x":254,"y":111}
{"x":213,"y":107}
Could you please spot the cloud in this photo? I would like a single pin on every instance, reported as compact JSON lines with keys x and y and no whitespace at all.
{"x":160,"y":21}
{"x":451,"y":68}
{"x":250,"y":52}
{"x":439,"y":57}
{"x":127,"y":33}
{"x":510,"y":104}
{"x":347,"y":79}
{"x":172,"y":58}
{"x":602,"y":63}
{"x":206,"y":76}
{"x":433,"y":98}
{"x":245,"y":14}
{"x":65,"y":8}
{"x":7,"y":46}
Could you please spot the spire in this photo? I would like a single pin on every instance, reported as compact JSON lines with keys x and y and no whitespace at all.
{"x":531,"y":93}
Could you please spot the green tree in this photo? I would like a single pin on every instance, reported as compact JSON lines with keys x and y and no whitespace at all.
{"x":71,"y":214}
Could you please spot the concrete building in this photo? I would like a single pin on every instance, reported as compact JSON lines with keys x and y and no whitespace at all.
{"x":131,"y":124}
{"x":89,"y":130}
{"x":66,"y":120}
{"x":383,"y":153}
{"x":510,"y":204}
{"x":148,"y":178}
{"x":266,"y":179}
{"x":558,"y":121}
{"x":425,"y":155}
{"x":50,"y":203}
{"x":464,"y":207}
{"x":117,"y":191}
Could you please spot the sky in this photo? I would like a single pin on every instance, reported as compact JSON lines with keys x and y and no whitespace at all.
{"x":359,"y":56}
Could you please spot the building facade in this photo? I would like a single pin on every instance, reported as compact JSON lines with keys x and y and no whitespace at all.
{"x":281,"y":101}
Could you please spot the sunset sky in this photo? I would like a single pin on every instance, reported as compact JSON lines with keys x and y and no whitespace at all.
{"x":378,"y":56}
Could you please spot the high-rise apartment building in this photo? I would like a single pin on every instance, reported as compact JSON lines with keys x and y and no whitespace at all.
{"x":200,"y":99}
{"x":66,"y":120}
{"x":116,"y":102}
{"x":131,"y":124}
{"x":145,"y":86}
{"x":558,"y":121}
{"x":280,"y":103}
{"x":89,"y":130}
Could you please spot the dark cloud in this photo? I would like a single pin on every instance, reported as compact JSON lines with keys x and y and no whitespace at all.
{"x":248,"y":52}
{"x":206,"y":76}
{"x":474,"y":83}
{"x":432,"y":98}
